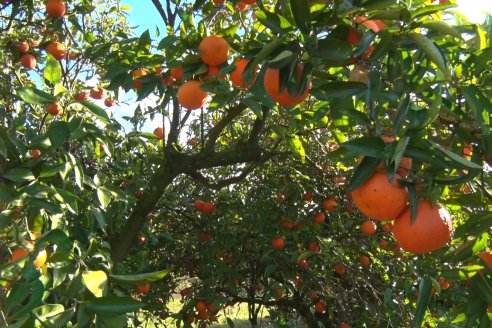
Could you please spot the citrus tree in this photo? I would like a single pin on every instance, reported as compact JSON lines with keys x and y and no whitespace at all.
{"x":327,"y":160}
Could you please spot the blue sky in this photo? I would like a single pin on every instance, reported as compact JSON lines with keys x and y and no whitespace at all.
{"x":144,"y":14}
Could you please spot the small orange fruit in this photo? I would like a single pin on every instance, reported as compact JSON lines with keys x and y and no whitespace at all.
{"x":18,"y":254}
{"x":319,"y":218}
{"x":23,"y":47}
{"x":214,"y":50}
{"x":57,"y":50}
{"x":208,"y":207}
{"x":340,"y":269}
{"x":198,"y":205}
{"x":28,"y":61}
{"x":109,"y":102}
{"x":191,"y":96}
{"x":201,"y":306}
{"x":241,"y":5}
{"x":55,"y":8}
{"x":177,"y":73}
{"x":159,"y":133}
{"x":486,"y":257}
{"x":319,"y":307}
{"x":365,"y":260}
{"x":431,"y":230}
{"x":55,"y":109}
{"x":143,"y":288}
{"x":278,"y":243}
{"x":82,"y":96}
{"x":368,"y":227}
{"x":386,"y":227}
{"x":35,"y":153}
{"x":330,"y":204}
{"x":98,"y":93}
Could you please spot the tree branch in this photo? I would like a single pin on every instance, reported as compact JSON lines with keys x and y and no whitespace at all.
{"x":221,"y":125}
{"x":160,"y":9}
{"x":175,"y":124}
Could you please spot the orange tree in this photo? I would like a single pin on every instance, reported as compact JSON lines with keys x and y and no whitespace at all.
{"x":266,"y":105}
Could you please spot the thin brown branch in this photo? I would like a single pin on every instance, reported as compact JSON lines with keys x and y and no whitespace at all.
{"x":215,"y":132}
{"x":160,"y":9}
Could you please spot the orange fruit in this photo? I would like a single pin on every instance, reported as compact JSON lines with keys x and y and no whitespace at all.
{"x":41,"y":259}
{"x":198,"y":205}
{"x":381,"y":199}
{"x":236,"y":76}
{"x":218,"y":2}
{"x":191,"y":96}
{"x":137,"y":74}
{"x":340,"y":269}
{"x":319,"y":307}
{"x":386,"y":227}
{"x":211,"y":308}
{"x":98,"y":93}
{"x":208,"y":207}
{"x":203,"y":315}
{"x":177,"y":73}
{"x":375,"y":25}
{"x":365,"y":260}
{"x":486,"y":257}
{"x":431,"y":230}
{"x":18,"y":254}
{"x":201,"y":306}
{"x":159,"y":133}
{"x":271,"y":83}
{"x":286,"y":223}
{"x":319,"y":218}
{"x":344,"y":325}
{"x":303,"y":264}
{"x":368,"y":227}
{"x":278,"y":243}
{"x":242,"y":6}
{"x":82,"y":96}
{"x":35,"y":153}
{"x":57,"y":50}
{"x":138,"y":194}
{"x":383,"y":244}
{"x":214,"y":50}
{"x":443,"y":283}
{"x":108,"y":102}
{"x":213,"y":71}
{"x":313,"y":247}
{"x":143,"y":288}
{"x":55,"y":109}
{"x":28,"y":61}
{"x":330,"y":204}
{"x":55,"y":8}
{"x":23,"y":47}
{"x":308,"y":196}
{"x":353,"y":37}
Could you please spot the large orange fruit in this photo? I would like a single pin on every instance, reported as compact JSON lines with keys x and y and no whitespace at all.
{"x":431,"y":230}
{"x":191,"y":96}
{"x":486,"y":257}
{"x":368,"y":228}
{"x":271,"y":83}
{"x":381,"y":199}
{"x":57,"y":50}
{"x":214,"y":50}
{"x":237,"y":74}
{"x":55,"y":8}
{"x":28,"y":61}
{"x":54,"y":109}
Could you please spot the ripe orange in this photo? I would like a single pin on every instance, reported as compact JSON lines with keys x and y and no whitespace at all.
{"x":143,"y":288}
{"x":340,"y":269}
{"x":201,"y":306}
{"x":55,"y":109}
{"x":138,"y":194}
{"x":381,"y":199}
{"x":344,"y":325}
{"x":81,"y":96}
{"x":313,"y":247}
{"x":375,"y":25}
{"x":35,"y":153}
{"x":286,"y":223}
{"x":431,"y":230}
{"x":214,"y":50}
{"x":28,"y":61}
{"x":353,"y":37}
{"x":55,"y":8}
{"x":368,"y":227}
{"x":108,"y":102}
{"x":212,"y":71}
{"x":98,"y":93}
{"x":198,"y":204}
{"x":177,"y":73}
{"x":308,"y":196}
{"x":191,"y":96}
{"x":486,"y":257}
{"x":330,"y":204}
{"x":319,"y":218}
{"x":271,"y":83}
{"x":41,"y":259}
{"x":383,"y":244}
{"x":218,"y":2}
{"x":365,"y":260}
{"x":57,"y":50}
{"x":159,"y":133}
{"x":208,"y":207}
{"x":319,"y":307}
{"x":236,"y":76}
{"x":303,"y":264}
{"x":203,"y":315}
{"x":23,"y":47}
{"x":211,"y":308}
{"x":386,"y":227}
{"x":278,"y":243}
{"x":18,"y":254}
{"x":443,"y":283}
{"x":242,"y":6}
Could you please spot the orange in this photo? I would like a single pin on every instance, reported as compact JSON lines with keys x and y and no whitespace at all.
{"x":286,"y":223}
{"x":18,"y":254}
{"x":177,"y":73}
{"x":344,"y":325}
{"x":218,"y":2}
{"x":55,"y":109}
{"x":191,"y":96}
{"x":368,"y":227}
{"x":98,"y":93}
{"x":386,"y":227}
{"x":203,"y":315}
{"x":211,"y":308}
{"x":431,"y":230}
{"x":198,"y":205}
{"x":340,"y":269}
{"x":381,"y":199}
{"x":242,"y":6}
{"x":319,"y":218}
{"x":213,"y":71}
{"x":35,"y":153}
{"x":137,"y":74}
{"x":201,"y":306}
{"x":313,"y":247}
{"x":108,"y":102}
{"x":57,"y":50}
{"x":375,"y":25}
{"x":271,"y":83}
{"x":365,"y":260}
{"x":278,"y":243}
{"x":23,"y":47}
{"x":353,"y":37}
{"x":330,"y":204}
{"x":159,"y":133}
{"x":208,"y":207}
{"x":81,"y":96}
{"x":41,"y":259}
{"x":383,"y":244}
{"x":28,"y":61}
{"x":486,"y":257}
{"x":237,"y":74}
{"x":55,"y":8}
{"x":319,"y":307}
{"x":143,"y":288}
{"x":214,"y":50}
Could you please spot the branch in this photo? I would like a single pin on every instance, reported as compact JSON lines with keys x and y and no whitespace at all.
{"x":221,"y":125}
{"x":258,"y":125}
{"x":158,"y":6}
{"x":175,"y":124}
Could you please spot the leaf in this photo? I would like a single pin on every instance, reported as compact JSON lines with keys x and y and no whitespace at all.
{"x":57,"y":237}
{"x":429,"y":10}
{"x":113,"y":305}
{"x":296,"y":146}
{"x":475,"y":225}
{"x":96,"y":282}
{"x":331,"y":90}
{"x":456,"y":158}
{"x":49,"y":170}
{"x":441,"y":27}
{"x":481,"y":106}
{"x":139,"y":278}
{"x":401,"y":114}
{"x":269,"y":270}
{"x":461,"y":273}
{"x":3,"y":149}
{"x":58,"y":133}
{"x":421,"y":118}
{"x":230,"y":322}
{"x":144,"y":41}
{"x":69,"y":199}
{"x":333,"y":51}
{"x":35,"y":96}
{"x":468,"y":249}
{"x":19,"y":175}
{"x":267,"y":50}
{"x":277,"y":23}
{"x":432,"y":51}
{"x":368,"y":146}
{"x":363,"y":172}
{"x":52,"y":70}
{"x":96,"y":110}
{"x":35,"y":298}
{"x":104,"y":196}
{"x":301,"y":13}
{"x":424,"y":296}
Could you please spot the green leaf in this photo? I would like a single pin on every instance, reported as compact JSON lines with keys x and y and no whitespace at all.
{"x":368,"y":146}
{"x":35,"y":298}
{"x":69,"y":199}
{"x":424,"y":296}
{"x":461,"y":273}
{"x":301,"y":13}
{"x":269,"y":270}
{"x":296,"y":146}
{"x":480,"y":60}
{"x":144,"y":41}
{"x":35,"y":96}
{"x":441,"y":27}
{"x":52,"y":70}
{"x":267,"y":50}
{"x":96,"y":110}
{"x":277,"y":23}
{"x":421,"y":118}
{"x":96,"y":282}
{"x":54,"y":315}
{"x":3,"y":149}
{"x":432,"y":51}
{"x":333,"y":51}
{"x":468,"y":249}
{"x":57,"y":237}
{"x":49,"y":170}
{"x":113,"y":305}
{"x":363,"y":172}
{"x":481,"y":106}
{"x":338,"y":89}
{"x":401,"y":114}
{"x":456,"y":158}
{"x":104,"y":196}
{"x":429,"y":10}
{"x":19,"y":175}
{"x":139,"y":278}
{"x":58,"y":133}
{"x":475,"y":225}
